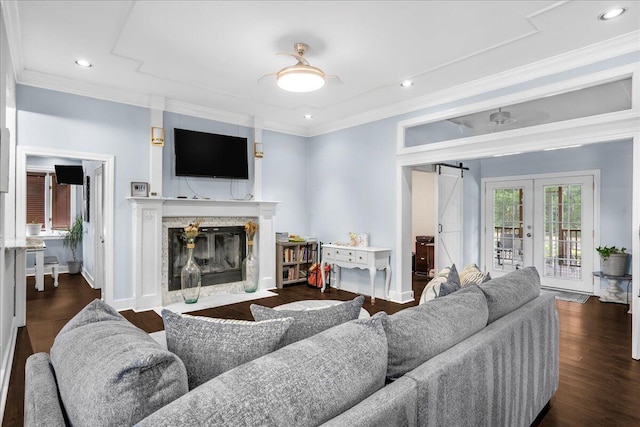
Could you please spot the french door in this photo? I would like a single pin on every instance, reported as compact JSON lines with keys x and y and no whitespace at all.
{"x":547,"y":223}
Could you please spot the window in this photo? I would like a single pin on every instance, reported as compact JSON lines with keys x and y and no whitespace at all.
{"x":48,"y":202}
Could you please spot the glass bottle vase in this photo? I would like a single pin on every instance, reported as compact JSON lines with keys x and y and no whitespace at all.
{"x":250,"y":270}
{"x":190,"y":276}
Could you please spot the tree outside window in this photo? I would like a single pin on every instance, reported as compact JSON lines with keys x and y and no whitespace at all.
{"x":48,"y":202}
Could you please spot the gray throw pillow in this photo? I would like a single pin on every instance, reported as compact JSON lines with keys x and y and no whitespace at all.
{"x":208,"y":347}
{"x":506,"y":293}
{"x":416,"y":334}
{"x":111,"y":373}
{"x":304,"y":384}
{"x":310,"y":322}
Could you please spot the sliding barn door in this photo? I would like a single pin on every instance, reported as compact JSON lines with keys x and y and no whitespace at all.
{"x":449,"y":233}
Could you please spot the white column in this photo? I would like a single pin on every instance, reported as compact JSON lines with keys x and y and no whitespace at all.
{"x":155,"y":151}
{"x":147,"y":252}
{"x":267,"y":246}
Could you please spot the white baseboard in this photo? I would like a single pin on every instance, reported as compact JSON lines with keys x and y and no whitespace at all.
{"x":401,"y":297}
{"x":124,"y":304}
{"x":7,"y":365}
{"x":88,"y":277}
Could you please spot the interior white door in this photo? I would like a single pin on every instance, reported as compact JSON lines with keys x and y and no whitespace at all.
{"x":564,"y":218}
{"x":98,"y":204}
{"x":508,"y":226}
{"x":449,"y":233}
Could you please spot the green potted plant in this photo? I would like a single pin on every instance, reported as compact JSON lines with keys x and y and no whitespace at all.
{"x":71,"y":240}
{"x":614,"y":260}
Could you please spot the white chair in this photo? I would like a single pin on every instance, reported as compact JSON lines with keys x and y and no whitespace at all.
{"x":52,"y":261}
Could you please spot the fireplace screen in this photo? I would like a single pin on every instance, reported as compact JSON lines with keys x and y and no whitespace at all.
{"x":219,"y":253}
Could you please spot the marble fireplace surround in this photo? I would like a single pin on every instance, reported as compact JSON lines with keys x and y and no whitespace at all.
{"x":152,"y":217}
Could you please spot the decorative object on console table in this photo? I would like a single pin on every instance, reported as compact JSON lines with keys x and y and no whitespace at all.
{"x":250,"y":265}
{"x":71,"y":240}
{"x":191,"y":275}
{"x":139,"y":189}
{"x":614,"y":260}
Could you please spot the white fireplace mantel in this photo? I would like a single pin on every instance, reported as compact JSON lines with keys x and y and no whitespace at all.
{"x":147,"y":214}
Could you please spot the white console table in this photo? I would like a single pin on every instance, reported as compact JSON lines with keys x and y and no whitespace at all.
{"x":370,"y":258}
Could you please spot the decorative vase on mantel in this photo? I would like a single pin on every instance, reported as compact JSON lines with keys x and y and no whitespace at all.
{"x":191,"y":275}
{"x":251,"y":264}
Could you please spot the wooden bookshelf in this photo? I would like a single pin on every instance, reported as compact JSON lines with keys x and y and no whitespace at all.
{"x":293,"y":260}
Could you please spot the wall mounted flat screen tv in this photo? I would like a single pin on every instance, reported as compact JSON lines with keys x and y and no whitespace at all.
{"x":210,"y":155}
{"x":69,"y":174}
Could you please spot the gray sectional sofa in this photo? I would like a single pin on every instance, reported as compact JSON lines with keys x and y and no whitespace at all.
{"x":483,"y":356}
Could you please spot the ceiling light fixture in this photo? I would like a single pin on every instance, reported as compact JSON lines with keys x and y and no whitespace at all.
{"x":501,"y":117}
{"x":507,"y":154}
{"x":83,"y":63}
{"x":308,"y":116}
{"x":300,"y":77}
{"x":612,"y":13}
{"x":406,"y":83}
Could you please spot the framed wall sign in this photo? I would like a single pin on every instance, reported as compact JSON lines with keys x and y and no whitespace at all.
{"x":139,"y":189}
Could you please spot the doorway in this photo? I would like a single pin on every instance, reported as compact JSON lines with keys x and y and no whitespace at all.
{"x":545,"y":221}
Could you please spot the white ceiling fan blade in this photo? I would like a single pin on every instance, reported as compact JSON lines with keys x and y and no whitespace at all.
{"x":334,"y":77}
{"x":265,"y":76}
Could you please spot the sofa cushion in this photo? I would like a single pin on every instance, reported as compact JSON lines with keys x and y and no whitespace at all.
{"x":472,"y":275}
{"x":506,"y":293}
{"x":417,"y":334}
{"x":310,"y":322}
{"x":209,"y":347}
{"x":111,"y":373}
{"x":446,"y":281}
{"x":306,"y":383}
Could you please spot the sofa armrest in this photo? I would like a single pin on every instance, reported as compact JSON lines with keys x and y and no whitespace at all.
{"x":41,"y":399}
{"x":394,"y":405}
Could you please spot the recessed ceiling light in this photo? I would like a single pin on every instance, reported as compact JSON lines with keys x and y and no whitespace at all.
{"x":612,"y":13}
{"x":83,"y":63}
{"x":308,"y":116}
{"x":406,"y":83}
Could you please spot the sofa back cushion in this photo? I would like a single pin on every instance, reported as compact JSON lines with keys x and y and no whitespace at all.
{"x":506,"y":293}
{"x":309,"y":322}
{"x":306,"y":383}
{"x":111,"y":373}
{"x":209,"y":347}
{"x":417,"y":334}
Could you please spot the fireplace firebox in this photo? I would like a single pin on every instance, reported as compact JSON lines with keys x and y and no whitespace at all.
{"x":219,"y":252}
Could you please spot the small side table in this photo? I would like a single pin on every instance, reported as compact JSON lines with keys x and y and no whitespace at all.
{"x":613,"y":289}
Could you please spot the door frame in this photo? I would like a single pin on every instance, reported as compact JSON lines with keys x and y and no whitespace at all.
{"x":108,"y":162}
{"x":550,"y":175}
{"x":98,"y":230}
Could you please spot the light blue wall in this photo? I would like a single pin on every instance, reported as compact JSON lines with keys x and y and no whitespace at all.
{"x":68,"y":122}
{"x":352,"y":173}
{"x":223,"y":189}
{"x":285,"y":179}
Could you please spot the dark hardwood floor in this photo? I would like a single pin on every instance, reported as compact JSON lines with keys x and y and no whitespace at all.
{"x":599,"y":382}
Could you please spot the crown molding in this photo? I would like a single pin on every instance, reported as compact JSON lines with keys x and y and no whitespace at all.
{"x":607,"y":49}
{"x":76,"y":87}
{"x":14,"y":36}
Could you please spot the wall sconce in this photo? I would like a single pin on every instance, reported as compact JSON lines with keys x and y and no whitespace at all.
{"x":257,"y":150}
{"x":157,"y":137}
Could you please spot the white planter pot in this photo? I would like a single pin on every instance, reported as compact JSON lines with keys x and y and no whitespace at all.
{"x":33,"y":229}
{"x":615,"y":265}
{"x":74,"y":266}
